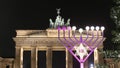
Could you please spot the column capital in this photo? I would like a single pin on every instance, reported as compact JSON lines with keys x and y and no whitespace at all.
{"x":18,"y":47}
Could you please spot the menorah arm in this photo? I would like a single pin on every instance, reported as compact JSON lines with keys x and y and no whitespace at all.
{"x":95,"y":40}
{"x":99,"y":42}
{"x":75,"y":56}
{"x":88,"y":46}
{"x":89,"y":41}
{"x":94,"y":48}
{"x":68,"y":42}
{"x":60,"y":38}
{"x":63,"y":41}
{"x":75,"y":37}
{"x":86,"y":37}
{"x":91,"y":38}
{"x":70,"y":37}
{"x":88,"y":55}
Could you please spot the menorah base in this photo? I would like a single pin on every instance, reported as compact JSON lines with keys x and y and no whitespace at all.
{"x":81,"y":65}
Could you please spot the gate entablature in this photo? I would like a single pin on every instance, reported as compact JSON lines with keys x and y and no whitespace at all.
{"x":36,"y":37}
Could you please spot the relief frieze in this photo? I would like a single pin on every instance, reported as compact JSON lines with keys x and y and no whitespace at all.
{"x":33,"y":41}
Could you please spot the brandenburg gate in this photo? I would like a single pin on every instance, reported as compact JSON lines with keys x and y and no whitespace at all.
{"x":43,"y":40}
{"x":47,"y":40}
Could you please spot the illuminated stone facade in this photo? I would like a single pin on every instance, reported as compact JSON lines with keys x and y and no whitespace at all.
{"x":47,"y":40}
{"x":43,"y":40}
{"x":6,"y":62}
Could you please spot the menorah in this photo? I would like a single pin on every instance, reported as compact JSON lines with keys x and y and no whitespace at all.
{"x":82,"y":46}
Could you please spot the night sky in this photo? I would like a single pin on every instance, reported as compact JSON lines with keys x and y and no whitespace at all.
{"x":35,"y":14}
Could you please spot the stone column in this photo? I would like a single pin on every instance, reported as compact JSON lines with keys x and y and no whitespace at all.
{"x":34,"y":52}
{"x":49,"y":57}
{"x":118,"y":64}
{"x":19,"y":57}
{"x":10,"y":66}
{"x":69,"y":60}
{"x":4,"y":65}
{"x":96,"y":57}
{"x":1,"y":62}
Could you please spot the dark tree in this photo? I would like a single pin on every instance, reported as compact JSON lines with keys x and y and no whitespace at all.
{"x":115,"y":15}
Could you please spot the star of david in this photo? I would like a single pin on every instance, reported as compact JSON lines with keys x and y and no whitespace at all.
{"x":81,"y":51}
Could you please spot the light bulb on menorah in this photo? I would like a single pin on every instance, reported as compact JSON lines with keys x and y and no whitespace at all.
{"x":79,"y":42}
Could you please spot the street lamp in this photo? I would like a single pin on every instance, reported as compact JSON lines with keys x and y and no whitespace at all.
{"x":79,"y":46}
